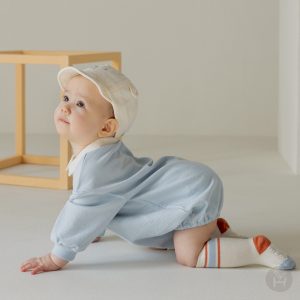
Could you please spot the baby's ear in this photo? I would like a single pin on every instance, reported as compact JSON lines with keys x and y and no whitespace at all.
{"x":114,"y":125}
{"x":110,"y":128}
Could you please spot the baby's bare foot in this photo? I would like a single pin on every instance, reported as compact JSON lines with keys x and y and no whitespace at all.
{"x":97,"y":239}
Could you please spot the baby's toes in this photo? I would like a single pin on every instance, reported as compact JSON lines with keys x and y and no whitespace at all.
{"x":97,"y":239}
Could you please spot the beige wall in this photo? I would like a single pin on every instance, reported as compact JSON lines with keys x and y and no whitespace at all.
{"x":289,"y":76}
{"x":202,"y":66}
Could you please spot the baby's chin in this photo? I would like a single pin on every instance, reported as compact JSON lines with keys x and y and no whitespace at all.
{"x":61,"y":131}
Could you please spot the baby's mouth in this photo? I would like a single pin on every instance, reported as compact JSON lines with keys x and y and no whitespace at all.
{"x":64,"y":121}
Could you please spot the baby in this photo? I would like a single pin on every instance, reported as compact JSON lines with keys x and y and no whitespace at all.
{"x":172,"y":203}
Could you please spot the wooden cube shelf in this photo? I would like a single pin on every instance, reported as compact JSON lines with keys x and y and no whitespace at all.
{"x":61,"y":58}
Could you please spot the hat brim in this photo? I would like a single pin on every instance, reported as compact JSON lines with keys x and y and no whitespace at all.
{"x":65,"y":75}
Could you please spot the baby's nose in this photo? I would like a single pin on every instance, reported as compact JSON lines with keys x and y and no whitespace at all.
{"x":65,"y":109}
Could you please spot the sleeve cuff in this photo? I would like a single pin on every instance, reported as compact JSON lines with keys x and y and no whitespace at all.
{"x":63,"y":253}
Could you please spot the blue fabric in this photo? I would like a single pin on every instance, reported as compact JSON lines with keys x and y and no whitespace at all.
{"x":212,"y":251}
{"x":138,"y":199}
{"x":287,"y":264}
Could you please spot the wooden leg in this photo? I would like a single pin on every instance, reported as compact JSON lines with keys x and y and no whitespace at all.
{"x":20,"y":109}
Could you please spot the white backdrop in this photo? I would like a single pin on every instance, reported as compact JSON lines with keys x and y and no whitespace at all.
{"x":289,"y":76}
{"x":206,"y":67}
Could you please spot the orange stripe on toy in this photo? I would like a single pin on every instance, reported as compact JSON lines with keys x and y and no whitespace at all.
{"x":219,"y":253}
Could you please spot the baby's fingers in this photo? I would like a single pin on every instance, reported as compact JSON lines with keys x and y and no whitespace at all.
{"x":37,"y":270}
{"x":29,"y":265}
{"x":26,"y":267}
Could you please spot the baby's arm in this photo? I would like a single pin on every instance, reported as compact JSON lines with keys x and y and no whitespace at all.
{"x":42,"y":264}
{"x":78,"y":224}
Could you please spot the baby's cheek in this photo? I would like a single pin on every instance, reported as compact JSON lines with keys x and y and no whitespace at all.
{"x":56,"y":111}
{"x":56,"y":116}
{"x":81,"y":124}
{"x":79,"y":120}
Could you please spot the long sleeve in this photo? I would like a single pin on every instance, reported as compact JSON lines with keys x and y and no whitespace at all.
{"x":84,"y":215}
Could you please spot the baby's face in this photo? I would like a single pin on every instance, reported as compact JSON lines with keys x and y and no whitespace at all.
{"x":82,"y":111}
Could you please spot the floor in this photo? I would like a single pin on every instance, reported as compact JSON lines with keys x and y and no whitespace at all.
{"x":261,"y":196}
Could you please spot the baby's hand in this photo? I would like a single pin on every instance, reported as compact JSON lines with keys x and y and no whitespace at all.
{"x":43,"y":264}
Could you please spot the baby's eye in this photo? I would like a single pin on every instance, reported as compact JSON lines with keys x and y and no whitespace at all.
{"x":80,"y":104}
{"x":66,"y":98}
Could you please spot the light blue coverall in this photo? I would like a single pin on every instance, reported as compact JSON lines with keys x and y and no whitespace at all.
{"x":140,"y":200}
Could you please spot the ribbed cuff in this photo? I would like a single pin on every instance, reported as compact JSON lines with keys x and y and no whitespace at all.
{"x":63,"y":253}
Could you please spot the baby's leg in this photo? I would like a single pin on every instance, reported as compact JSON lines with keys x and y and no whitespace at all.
{"x":188,"y":243}
{"x":194,"y":248}
{"x":235,"y":252}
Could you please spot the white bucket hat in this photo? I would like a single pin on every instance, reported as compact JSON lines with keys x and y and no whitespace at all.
{"x":114,"y":86}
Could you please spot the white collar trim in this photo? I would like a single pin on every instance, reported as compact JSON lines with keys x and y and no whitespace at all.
{"x":75,"y":159}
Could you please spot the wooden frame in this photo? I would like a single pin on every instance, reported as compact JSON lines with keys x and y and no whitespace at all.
{"x":61,"y":58}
